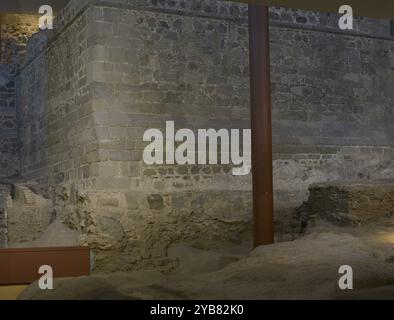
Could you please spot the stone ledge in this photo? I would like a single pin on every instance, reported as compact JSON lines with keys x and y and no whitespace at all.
{"x":352,"y":202}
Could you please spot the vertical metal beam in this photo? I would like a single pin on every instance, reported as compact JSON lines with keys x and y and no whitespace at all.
{"x":260,"y":82}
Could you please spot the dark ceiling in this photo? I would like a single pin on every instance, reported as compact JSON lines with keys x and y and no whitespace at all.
{"x":29,"y":6}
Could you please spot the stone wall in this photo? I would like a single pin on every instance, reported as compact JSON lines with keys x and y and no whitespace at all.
{"x":332,"y":102}
{"x":9,"y":157}
{"x":16,"y":29}
{"x":5,"y":191}
{"x":353,"y":203}
{"x":53,"y":107}
{"x":15,"y":32}
{"x":28,"y":215}
{"x":114,"y":69}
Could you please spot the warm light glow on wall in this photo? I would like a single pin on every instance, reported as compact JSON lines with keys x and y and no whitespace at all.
{"x":386,"y":237}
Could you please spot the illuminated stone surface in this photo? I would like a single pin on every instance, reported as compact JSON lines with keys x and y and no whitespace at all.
{"x":88,"y":91}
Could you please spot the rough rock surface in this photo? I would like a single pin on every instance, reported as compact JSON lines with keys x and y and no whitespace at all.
{"x":303,"y":269}
{"x":28,"y":215}
{"x":352,"y":202}
{"x":56,"y":235}
{"x":4,"y":195}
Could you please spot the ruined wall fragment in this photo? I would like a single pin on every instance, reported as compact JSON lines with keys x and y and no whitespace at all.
{"x":118,"y":69}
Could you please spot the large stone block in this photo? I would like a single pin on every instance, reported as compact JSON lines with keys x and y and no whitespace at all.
{"x":352,"y":203}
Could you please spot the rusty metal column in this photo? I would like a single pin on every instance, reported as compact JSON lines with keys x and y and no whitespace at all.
{"x":261,"y":125}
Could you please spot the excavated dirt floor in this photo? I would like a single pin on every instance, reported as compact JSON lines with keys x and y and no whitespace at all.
{"x":306,"y":268}
{"x":348,"y":224}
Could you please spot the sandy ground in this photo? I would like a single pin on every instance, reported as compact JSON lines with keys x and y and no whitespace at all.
{"x":306,"y":268}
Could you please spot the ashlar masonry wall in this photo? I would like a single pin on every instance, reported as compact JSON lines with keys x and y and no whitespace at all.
{"x":82,"y":130}
{"x":117,"y":69}
{"x":54,"y":109}
{"x":332,"y":101}
{"x":150,"y":67}
{"x":15,"y":32}
{"x":9,"y":156}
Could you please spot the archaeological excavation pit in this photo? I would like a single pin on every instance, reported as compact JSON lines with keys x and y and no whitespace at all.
{"x":136,"y":140}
